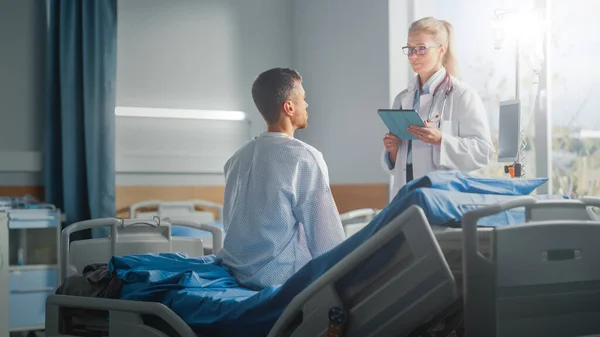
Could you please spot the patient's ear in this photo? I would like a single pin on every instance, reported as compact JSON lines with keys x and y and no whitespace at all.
{"x":288,"y":108}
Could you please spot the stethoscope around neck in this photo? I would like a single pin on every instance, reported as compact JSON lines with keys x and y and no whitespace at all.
{"x":433,"y":117}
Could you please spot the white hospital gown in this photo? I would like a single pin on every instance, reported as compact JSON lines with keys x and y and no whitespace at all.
{"x":279,"y":212}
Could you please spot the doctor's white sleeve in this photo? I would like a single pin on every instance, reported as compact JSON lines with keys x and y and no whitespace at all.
{"x":315,"y":207}
{"x":472,"y":148}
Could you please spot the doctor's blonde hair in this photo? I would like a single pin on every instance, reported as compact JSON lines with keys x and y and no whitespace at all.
{"x":443,"y":33}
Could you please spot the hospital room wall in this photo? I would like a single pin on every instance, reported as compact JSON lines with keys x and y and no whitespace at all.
{"x":190,"y":54}
{"x":22,"y":37}
{"x":340,"y":47}
{"x":348,"y":52}
{"x":185,"y":54}
{"x":204,"y":55}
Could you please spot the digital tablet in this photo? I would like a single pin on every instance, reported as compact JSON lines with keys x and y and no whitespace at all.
{"x":398,"y":121}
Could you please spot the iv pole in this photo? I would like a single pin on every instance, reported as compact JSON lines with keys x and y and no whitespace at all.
{"x":515,"y":169}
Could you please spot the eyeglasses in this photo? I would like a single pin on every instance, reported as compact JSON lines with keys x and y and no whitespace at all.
{"x":417,"y":50}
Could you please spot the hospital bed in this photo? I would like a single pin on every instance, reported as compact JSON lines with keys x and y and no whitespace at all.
{"x":530,"y":279}
{"x":537,"y":279}
{"x":481,"y":245}
{"x":417,"y":268}
{"x":186,"y":210}
{"x":412,"y":283}
{"x":451,"y":239}
{"x":355,"y":220}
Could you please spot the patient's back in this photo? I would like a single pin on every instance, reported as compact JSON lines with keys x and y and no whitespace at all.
{"x":276,"y":189}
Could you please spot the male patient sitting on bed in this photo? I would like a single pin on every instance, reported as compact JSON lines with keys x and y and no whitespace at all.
{"x":278,"y":212}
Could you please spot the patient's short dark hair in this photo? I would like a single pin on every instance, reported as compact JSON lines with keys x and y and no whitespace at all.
{"x":271,"y":89}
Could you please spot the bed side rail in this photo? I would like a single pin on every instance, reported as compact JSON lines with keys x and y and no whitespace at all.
{"x":216,"y":231}
{"x":563,"y":209}
{"x":162,"y":227}
{"x":530,"y":204}
{"x":323,"y":290}
{"x":125,"y":317}
{"x":480,"y":274}
{"x":473,"y":259}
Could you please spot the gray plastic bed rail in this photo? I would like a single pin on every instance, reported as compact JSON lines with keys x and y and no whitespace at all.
{"x":559,"y":210}
{"x":451,"y":239}
{"x":383,"y":312}
{"x":125,"y":317}
{"x":557,"y":250}
{"x":118,"y":225}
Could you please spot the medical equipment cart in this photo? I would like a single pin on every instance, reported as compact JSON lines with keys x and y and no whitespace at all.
{"x":29,"y":262}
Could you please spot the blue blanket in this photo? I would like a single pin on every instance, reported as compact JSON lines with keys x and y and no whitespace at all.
{"x":445,"y":208}
{"x":205,"y":295}
{"x":457,"y":181}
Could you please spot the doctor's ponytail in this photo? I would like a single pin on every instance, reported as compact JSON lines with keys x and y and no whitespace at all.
{"x":449,"y":60}
{"x":443,"y":33}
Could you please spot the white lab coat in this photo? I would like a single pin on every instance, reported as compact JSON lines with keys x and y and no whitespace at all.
{"x":466,"y":139}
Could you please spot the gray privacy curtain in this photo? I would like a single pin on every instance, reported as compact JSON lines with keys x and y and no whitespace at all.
{"x":79,"y":125}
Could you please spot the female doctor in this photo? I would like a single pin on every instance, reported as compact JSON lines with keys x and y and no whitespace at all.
{"x":456,"y":135}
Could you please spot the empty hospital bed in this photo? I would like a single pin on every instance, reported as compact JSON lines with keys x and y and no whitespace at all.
{"x":355,"y":220}
{"x":129,"y":236}
{"x":408,"y":282}
{"x":186,"y":210}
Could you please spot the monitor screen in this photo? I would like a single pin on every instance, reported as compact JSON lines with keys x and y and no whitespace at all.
{"x":509,"y":130}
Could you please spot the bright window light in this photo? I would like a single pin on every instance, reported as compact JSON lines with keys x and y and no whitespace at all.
{"x":589,"y":134}
{"x":179,"y":113}
{"x":509,"y":25}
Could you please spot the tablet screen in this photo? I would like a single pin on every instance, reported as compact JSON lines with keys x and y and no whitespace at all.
{"x":398,"y":121}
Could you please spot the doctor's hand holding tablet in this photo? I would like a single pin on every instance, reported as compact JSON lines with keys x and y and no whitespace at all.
{"x":425,"y":131}
{"x":437,"y":122}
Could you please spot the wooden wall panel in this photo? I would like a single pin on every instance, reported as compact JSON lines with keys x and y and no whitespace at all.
{"x":128,"y":195}
{"x":19,"y":191}
{"x":347,"y":197}
{"x":351,"y":197}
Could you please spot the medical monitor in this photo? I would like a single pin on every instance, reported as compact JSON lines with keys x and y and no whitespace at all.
{"x":509,"y":130}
